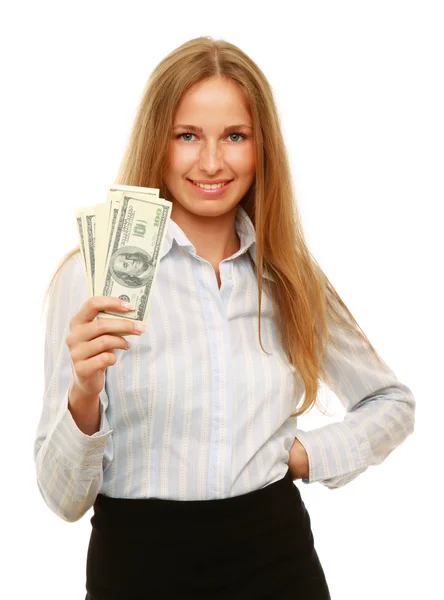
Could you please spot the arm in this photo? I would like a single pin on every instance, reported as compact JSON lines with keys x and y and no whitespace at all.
{"x":298,"y":461}
{"x":379,"y":415}
{"x":69,"y":462}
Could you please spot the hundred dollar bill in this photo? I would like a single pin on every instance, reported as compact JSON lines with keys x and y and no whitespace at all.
{"x":106,"y":222}
{"x":113,"y":204}
{"x":89,"y":216}
{"x":82,"y":227}
{"x":96,"y":230}
{"x":100,"y":240}
{"x":154,"y":192}
{"x":133,"y":257}
{"x":79,"y":225}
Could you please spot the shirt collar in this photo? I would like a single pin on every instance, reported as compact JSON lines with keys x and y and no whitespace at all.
{"x":244,"y":229}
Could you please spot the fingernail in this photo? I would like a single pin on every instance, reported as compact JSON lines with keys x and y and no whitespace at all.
{"x":139,"y":327}
{"x":128,"y":305}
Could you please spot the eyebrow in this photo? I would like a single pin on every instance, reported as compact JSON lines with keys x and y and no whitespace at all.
{"x":200,"y":130}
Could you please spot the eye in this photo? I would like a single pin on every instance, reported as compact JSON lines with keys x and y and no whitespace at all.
{"x":244,"y":137}
{"x":181,"y":134}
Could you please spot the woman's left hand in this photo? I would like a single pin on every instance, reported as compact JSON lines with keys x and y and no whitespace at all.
{"x":298,"y":461}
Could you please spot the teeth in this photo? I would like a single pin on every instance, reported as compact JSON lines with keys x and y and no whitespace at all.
{"x":207,"y":186}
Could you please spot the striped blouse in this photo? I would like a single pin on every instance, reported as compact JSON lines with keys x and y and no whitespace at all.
{"x":195,"y":410}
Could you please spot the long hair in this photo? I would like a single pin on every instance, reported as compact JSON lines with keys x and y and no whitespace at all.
{"x":304,"y":300}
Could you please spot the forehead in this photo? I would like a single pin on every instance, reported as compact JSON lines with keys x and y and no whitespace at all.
{"x":214,"y":100}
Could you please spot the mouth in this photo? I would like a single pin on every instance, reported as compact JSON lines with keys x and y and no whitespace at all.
{"x":219,"y":183}
{"x":210,"y":190}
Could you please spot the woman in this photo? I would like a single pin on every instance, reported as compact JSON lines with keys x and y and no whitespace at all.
{"x":188,"y":447}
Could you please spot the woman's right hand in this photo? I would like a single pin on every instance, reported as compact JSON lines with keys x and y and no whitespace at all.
{"x":92,"y":343}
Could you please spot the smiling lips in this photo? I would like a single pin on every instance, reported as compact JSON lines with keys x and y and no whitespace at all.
{"x":211,"y":183}
{"x":213,"y":189}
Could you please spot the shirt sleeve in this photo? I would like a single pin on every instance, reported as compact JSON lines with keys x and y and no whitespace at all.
{"x":69,"y":463}
{"x":380,"y":412}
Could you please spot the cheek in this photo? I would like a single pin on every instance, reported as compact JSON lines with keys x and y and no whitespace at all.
{"x":180,"y":158}
{"x":243,"y":162}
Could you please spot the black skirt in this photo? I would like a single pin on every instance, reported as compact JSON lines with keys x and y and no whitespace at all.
{"x":254,"y":546}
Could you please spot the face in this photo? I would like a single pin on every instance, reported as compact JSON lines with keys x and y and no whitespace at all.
{"x":212,"y":152}
{"x":128,"y":264}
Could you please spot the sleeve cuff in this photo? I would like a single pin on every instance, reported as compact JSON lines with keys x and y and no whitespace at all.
{"x":333,"y":452}
{"x":73,"y":447}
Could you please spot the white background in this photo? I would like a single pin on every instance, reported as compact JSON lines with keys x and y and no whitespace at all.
{"x":359,"y":91}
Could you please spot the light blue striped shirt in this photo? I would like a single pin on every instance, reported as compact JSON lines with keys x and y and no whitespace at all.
{"x":195,"y":410}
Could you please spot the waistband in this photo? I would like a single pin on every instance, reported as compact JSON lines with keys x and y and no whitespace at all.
{"x":126,"y":512}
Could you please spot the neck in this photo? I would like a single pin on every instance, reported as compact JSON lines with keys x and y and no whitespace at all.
{"x":214,"y":238}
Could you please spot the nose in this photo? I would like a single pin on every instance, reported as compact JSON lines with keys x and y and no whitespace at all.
{"x":211,"y":157}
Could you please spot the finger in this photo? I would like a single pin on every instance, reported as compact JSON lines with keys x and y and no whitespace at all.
{"x":94,"y":305}
{"x":104,"y":343}
{"x":87,"y":368}
{"x":89,"y":331}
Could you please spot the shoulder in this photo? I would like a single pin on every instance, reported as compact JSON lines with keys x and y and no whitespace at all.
{"x":72,"y":266}
{"x":71,"y":277}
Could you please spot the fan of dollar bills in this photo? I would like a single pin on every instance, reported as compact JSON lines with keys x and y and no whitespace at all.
{"x":120,"y":242}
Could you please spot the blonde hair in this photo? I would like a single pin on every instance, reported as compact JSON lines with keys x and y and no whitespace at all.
{"x":303,"y":297}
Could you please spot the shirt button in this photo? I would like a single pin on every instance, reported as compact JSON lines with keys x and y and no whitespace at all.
{"x":228,"y":275}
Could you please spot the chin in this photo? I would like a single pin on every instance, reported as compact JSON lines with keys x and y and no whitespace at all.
{"x":205,"y":207}
{"x":208,"y":211}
